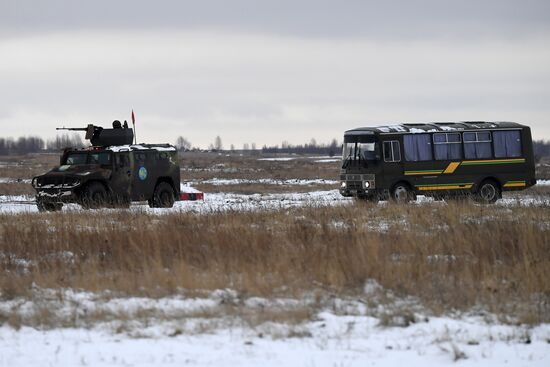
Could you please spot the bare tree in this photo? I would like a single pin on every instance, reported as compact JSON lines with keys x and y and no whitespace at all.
{"x":218,"y":143}
{"x":183,"y":144}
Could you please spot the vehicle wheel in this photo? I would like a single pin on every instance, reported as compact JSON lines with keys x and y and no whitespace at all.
{"x":488,"y":192}
{"x":163,"y":197}
{"x":402,"y":193}
{"x":95,"y":196}
{"x":48,"y":207}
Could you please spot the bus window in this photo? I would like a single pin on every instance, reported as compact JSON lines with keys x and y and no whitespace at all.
{"x":477,"y":145}
{"x":366,"y":151}
{"x":447,"y":146}
{"x":507,"y":144}
{"x":418,"y":147}
{"x":392,"y":152}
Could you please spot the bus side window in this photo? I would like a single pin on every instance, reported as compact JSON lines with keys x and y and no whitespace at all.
{"x":392,"y":151}
{"x":418,"y":147}
{"x":447,"y":146}
{"x":477,"y":145}
{"x":507,"y":144}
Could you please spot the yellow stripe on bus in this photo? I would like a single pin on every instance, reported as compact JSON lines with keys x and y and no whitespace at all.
{"x":451,"y":168}
{"x":494,"y":161}
{"x":515,"y":184}
{"x":431,"y":188}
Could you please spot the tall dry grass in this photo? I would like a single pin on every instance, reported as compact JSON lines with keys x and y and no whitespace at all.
{"x":451,"y":256}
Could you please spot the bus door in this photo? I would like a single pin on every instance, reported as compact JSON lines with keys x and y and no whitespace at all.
{"x":392,"y":162}
{"x":419,"y":167}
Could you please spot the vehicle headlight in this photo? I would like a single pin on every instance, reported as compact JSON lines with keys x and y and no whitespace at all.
{"x":367,"y":184}
{"x":343,"y":184}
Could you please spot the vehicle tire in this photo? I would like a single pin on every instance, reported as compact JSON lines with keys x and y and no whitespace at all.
{"x":94,"y":196}
{"x":163,"y":197}
{"x":488,"y":192}
{"x":402,"y":193}
{"x":48,"y":207}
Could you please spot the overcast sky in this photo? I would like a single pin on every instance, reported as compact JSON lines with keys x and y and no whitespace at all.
{"x":268,"y":71}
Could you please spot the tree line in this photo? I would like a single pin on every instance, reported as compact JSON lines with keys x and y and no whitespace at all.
{"x":35,"y":144}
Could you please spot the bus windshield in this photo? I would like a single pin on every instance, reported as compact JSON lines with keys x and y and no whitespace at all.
{"x":360,"y":152}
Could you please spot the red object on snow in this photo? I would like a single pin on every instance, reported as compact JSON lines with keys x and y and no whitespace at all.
{"x":192,"y":196}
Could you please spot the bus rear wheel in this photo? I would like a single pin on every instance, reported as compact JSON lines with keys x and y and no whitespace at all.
{"x":488,"y":192}
{"x":402,"y":193}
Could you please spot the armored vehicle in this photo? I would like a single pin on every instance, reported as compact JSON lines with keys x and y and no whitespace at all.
{"x":111,"y":172}
{"x":442,"y":160}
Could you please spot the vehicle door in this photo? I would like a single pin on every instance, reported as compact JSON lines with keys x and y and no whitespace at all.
{"x":143,"y":176}
{"x":418,"y":161}
{"x":121,"y":180}
{"x":391,"y":161}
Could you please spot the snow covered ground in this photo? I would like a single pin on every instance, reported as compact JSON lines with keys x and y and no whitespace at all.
{"x":213,"y":202}
{"x":267,"y":181}
{"x":195,"y":331}
{"x":219,"y":202}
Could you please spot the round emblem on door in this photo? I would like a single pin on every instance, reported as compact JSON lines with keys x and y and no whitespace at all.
{"x":142,"y":173}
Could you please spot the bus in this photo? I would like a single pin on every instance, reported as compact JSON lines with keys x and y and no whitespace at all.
{"x":441,"y":159}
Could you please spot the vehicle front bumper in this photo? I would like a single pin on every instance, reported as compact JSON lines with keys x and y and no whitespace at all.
{"x":358,"y":184}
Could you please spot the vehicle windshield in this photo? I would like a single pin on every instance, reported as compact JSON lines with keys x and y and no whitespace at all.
{"x":102,"y":158}
{"x":361,"y":151}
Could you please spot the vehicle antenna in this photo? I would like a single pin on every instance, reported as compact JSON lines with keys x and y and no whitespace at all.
{"x":134,"y":124}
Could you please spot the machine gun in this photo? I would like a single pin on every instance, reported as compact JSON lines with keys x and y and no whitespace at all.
{"x":101,"y":137}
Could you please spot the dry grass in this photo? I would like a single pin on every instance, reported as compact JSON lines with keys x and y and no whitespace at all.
{"x":450,"y":256}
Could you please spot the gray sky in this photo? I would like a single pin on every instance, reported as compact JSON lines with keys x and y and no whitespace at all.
{"x":268,"y":71}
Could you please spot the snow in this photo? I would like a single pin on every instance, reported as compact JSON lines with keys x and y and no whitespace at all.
{"x":126,"y":148}
{"x":213,"y":202}
{"x":543,"y":182}
{"x":328,"y":160}
{"x":267,"y":181}
{"x":14,"y":180}
{"x":188,"y":189}
{"x":279,"y":159}
{"x":198,"y":331}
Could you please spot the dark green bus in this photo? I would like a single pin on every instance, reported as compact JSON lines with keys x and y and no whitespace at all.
{"x":442,"y":159}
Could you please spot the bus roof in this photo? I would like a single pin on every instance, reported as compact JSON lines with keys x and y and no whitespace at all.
{"x":419,"y":128}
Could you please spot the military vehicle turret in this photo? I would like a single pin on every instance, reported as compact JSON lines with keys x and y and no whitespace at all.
{"x":111,"y":172}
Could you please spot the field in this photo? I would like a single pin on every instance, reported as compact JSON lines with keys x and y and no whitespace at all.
{"x":274,"y":267}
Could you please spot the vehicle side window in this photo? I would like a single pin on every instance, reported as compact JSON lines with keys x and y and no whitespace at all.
{"x":162,"y":155}
{"x":477,"y":145}
{"x":507,"y":144}
{"x":140,"y":157}
{"x":122,"y":160}
{"x":76,"y":159}
{"x":418,"y":147}
{"x":447,"y":146}
{"x":392,"y":151}
{"x":102,"y":158}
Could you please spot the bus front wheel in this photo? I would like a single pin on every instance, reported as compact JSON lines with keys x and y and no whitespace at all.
{"x":402,"y":193}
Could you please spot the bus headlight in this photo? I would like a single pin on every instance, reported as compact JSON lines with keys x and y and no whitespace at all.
{"x":367,"y":184}
{"x":343,"y":185}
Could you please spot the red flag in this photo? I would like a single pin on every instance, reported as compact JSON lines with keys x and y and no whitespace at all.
{"x":133,"y":118}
